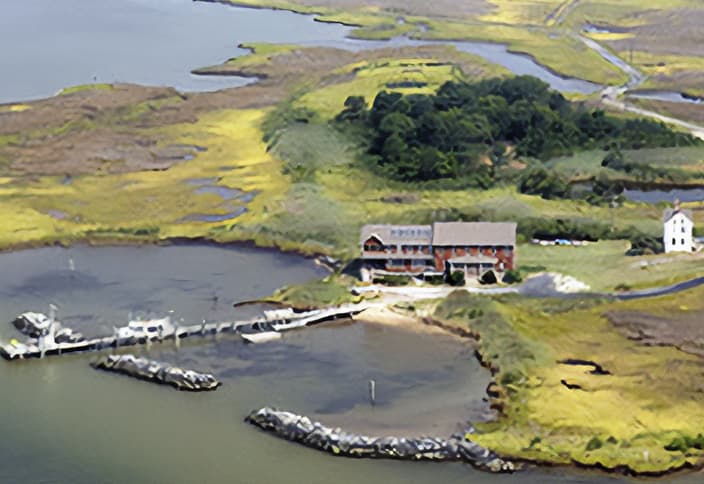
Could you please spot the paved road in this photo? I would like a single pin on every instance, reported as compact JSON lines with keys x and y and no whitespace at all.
{"x":611,"y":95}
{"x":394,"y":294}
{"x":661,"y":291}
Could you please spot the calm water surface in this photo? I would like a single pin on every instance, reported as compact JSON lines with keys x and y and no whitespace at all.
{"x":46,"y":45}
{"x":63,"y":422}
{"x":657,"y":196}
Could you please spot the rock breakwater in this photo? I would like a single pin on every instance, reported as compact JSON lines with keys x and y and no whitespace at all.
{"x":158,"y":372}
{"x":301,"y":429}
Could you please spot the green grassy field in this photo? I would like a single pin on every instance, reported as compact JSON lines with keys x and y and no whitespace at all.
{"x":372,"y":77}
{"x":605,"y":268}
{"x":587,"y":164}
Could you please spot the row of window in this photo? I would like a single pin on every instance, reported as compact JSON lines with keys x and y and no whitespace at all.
{"x":674,"y":241}
{"x":408,"y":233}
{"x":414,"y":262}
{"x":424,"y":248}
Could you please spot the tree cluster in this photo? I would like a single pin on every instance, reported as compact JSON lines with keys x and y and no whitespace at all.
{"x":462,"y":131}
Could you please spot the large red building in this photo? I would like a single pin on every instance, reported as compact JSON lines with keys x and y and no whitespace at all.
{"x":472,"y":247}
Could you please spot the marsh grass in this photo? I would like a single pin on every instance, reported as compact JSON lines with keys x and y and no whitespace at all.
{"x":650,"y":398}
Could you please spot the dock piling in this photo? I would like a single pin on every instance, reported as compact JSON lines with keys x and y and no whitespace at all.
{"x":372,"y":392}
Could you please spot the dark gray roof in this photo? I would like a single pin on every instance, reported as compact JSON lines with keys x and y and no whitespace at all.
{"x":671,"y":212}
{"x":474,"y":233}
{"x":474,"y":259}
{"x":398,"y":234}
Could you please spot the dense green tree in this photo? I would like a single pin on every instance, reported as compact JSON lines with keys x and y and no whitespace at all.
{"x":424,"y":137}
{"x":355,"y":109}
{"x":547,"y":184}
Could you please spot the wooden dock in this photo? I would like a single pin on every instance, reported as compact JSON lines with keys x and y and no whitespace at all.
{"x":17,"y":350}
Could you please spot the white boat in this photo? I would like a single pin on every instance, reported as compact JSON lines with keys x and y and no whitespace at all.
{"x":32,"y":324}
{"x":257,"y":338}
{"x":152,"y":328}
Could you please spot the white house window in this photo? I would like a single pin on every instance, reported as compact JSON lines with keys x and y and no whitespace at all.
{"x":683,"y":229}
{"x":682,"y":241}
{"x":674,"y":241}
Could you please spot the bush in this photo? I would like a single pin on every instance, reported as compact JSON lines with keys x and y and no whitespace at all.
{"x":512,"y":276}
{"x":684,"y":443}
{"x":594,"y":444}
{"x":489,"y":277}
{"x":642,"y":244}
{"x":510,"y":378}
{"x":548,"y":184}
{"x":394,"y":280}
{"x":435,"y":280}
{"x":576,"y":229}
{"x":456,"y":279}
{"x":678,"y":444}
{"x":613,"y":160}
{"x":475,"y":313}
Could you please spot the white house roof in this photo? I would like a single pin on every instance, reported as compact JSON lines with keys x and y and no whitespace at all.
{"x":671,"y":212}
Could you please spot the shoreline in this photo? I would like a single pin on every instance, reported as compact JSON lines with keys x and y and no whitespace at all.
{"x":428,"y":325}
{"x":203,"y":241}
{"x":316,"y":18}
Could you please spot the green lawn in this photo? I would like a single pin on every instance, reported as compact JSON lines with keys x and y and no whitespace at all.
{"x":605,"y":268}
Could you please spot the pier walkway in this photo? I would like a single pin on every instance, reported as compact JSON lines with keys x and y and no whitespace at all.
{"x":17,"y":350}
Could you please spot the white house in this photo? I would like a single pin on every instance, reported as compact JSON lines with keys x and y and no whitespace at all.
{"x":678,"y":228}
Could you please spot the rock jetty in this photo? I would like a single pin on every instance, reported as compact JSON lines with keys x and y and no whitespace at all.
{"x":301,"y":429}
{"x":158,"y":372}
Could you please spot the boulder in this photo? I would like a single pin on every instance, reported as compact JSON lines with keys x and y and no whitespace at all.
{"x":337,"y":442}
{"x":157,"y":372}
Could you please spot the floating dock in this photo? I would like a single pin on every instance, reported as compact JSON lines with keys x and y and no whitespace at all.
{"x":278,"y":321}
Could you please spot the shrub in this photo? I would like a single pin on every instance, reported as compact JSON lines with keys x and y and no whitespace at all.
{"x":456,"y":279}
{"x":435,"y":280}
{"x":512,"y":276}
{"x":489,"y":277}
{"x":678,"y":444}
{"x":642,"y":244}
{"x":613,"y":160}
{"x":548,"y":184}
{"x":394,"y":280}
{"x":475,"y":313}
{"x":510,"y":377}
{"x":594,"y":444}
{"x":697,"y":442}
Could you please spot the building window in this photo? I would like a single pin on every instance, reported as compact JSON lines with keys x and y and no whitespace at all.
{"x":674,"y":242}
{"x":682,"y":241}
{"x":683,"y":229}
